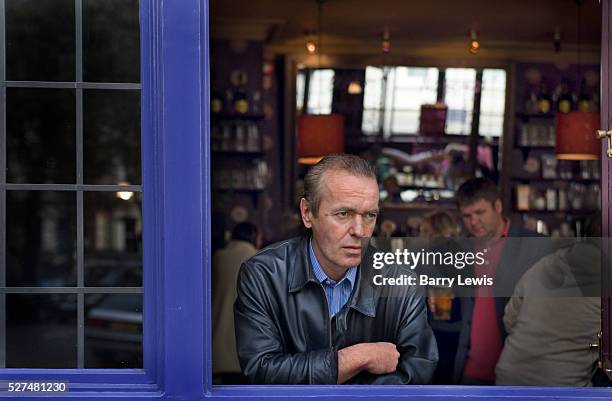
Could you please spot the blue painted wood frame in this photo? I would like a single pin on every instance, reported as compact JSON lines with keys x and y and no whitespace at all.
{"x":175,"y":224}
{"x":176,"y":189}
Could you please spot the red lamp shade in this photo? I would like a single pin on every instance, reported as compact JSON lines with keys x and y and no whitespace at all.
{"x":319,"y":135}
{"x":576,"y":139}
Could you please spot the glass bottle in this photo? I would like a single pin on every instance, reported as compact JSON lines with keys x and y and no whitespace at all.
{"x":564,"y":104}
{"x":544,"y":100}
{"x":241,"y":104}
{"x":216,"y":102}
{"x":584,"y":100}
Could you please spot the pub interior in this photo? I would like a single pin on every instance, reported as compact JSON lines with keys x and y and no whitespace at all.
{"x":431,"y":92}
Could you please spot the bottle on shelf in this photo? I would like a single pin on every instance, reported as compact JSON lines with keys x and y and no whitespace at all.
{"x":565,"y":101}
{"x":531,"y":105}
{"x":253,"y":139}
{"x":216,"y":102}
{"x":240,"y":137}
{"x":584,"y":100}
{"x":241,"y":103}
{"x":544,"y":101}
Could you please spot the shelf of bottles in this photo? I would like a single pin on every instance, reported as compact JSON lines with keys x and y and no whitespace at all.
{"x":237,"y":144}
{"x":234,"y":136}
{"x":256,"y":177}
{"x":553,"y":197}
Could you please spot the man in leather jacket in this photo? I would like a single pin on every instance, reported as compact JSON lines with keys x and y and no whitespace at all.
{"x":308,"y":311}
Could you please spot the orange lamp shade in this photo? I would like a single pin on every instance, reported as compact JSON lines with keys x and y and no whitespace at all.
{"x":319,"y":135}
{"x":576,"y":136}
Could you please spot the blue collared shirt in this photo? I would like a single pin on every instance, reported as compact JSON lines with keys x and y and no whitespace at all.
{"x":337,"y":293}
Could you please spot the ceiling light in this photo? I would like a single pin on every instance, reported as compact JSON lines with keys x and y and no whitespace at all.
{"x":474,"y":43}
{"x":311,"y":46}
{"x":557,"y":40}
{"x":386,"y":42}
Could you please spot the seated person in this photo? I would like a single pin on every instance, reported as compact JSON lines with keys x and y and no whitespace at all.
{"x":511,"y":251}
{"x":226,"y":262}
{"x":308,"y":311}
{"x":552,"y":317}
{"x":441,"y":230}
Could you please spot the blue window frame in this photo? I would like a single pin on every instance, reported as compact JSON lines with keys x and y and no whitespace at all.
{"x":176,"y":190}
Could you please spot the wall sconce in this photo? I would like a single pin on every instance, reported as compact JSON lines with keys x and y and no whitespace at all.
{"x":474,"y":43}
{"x":355,"y":88}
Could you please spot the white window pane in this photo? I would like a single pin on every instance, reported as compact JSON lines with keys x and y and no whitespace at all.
{"x":373,"y":87}
{"x":459,"y":96}
{"x":389,"y":95}
{"x":387,"y":118}
{"x":493,"y":98}
{"x":405,"y":122}
{"x":371,"y":121}
{"x":491,"y":125}
{"x":415,"y":86}
{"x":320,"y":93}
{"x":407,"y":89}
{"x":492,"y":102}
{"x":494,"y":79}
{"x":299,"y":90}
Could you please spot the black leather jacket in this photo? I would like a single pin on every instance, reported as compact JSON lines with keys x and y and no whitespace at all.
{"x":284,"y":333}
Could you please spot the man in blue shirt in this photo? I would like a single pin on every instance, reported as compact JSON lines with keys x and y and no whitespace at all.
{"x":308,"y":311}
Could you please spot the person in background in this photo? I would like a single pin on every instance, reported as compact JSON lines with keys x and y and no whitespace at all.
{"x":226,"y":263}
{"x":441,"y":230}
{"x":482,"y":331}
{"x":392,"y":189}
{"x":553,"y":316}
{"x":439,"y":224}
{"x":308,"y":311}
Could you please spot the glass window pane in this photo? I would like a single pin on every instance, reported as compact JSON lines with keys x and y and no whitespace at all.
{"x":40,"y":40}
{"x":299,"y":90}
{"x":373,"y":88}
{"x":405,"y":121}
{"x":371,"y":122}
{"x":41,"y":146}
{"x":40,"y":238}
{"x":113,"y":331}
{"x":320,"y":93}
{"x":459,"y":96}
{"x":111,"y":41}
{"x":407,"y":89}
{"x":492,"y":102}
{"x":41,"y":331}
{"x":113,"y":239}
{"x":491,"y":125}
{"x":111,"y":137}
{"x":415,"y":86}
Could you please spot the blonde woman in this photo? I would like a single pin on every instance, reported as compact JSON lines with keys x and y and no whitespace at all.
{"x":439,"y":224}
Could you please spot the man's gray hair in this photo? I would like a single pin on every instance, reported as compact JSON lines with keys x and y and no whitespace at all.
{"x":313,"y":181}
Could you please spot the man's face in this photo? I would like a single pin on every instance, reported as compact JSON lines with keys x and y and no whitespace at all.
{"x":345,"y":221}
{"x":483,"y":219}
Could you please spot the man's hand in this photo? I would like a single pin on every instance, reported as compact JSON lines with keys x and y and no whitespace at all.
{"x":383,"y":358}
{"x":376,"y":358}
